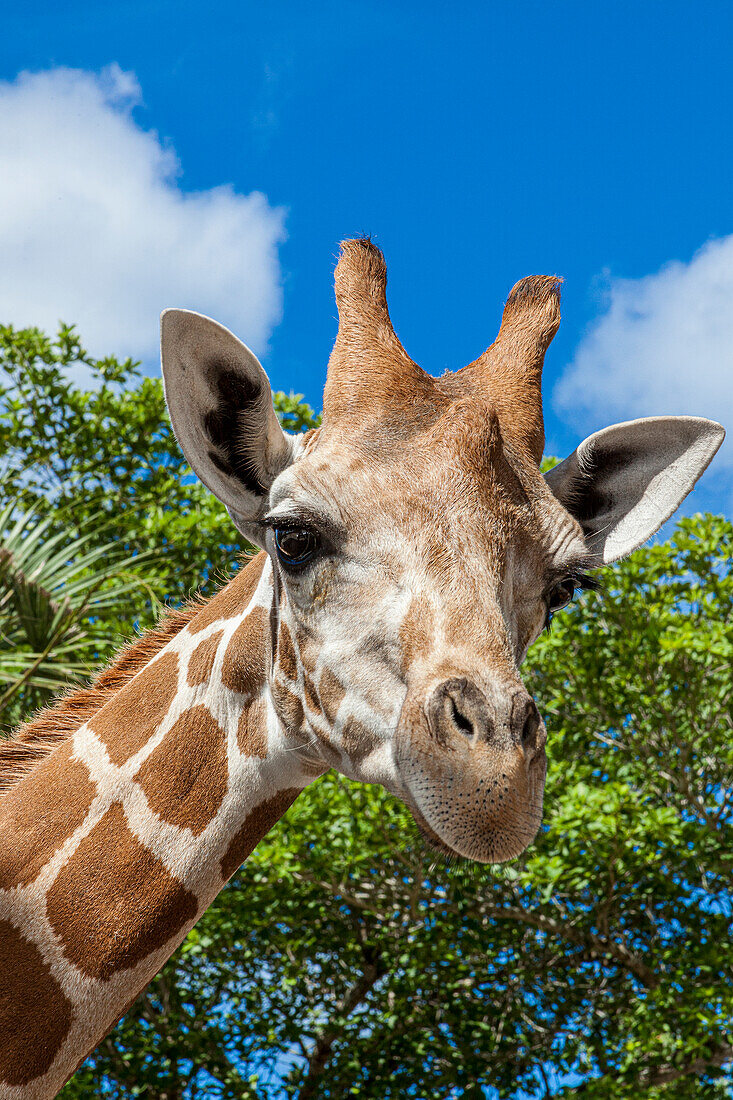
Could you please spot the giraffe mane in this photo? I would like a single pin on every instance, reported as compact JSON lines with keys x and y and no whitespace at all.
{"x":54,"y":724}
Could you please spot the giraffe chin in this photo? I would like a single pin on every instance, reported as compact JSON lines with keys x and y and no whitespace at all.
{"x":472,"y":803}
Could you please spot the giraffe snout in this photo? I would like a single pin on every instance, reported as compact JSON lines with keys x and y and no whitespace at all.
{"x":507,"y":718}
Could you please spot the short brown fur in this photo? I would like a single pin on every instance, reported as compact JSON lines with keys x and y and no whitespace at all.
{"x":98,"y":918}
{"x":27,"y":985}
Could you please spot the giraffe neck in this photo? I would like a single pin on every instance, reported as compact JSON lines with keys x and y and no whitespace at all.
{"x":116,"y":843}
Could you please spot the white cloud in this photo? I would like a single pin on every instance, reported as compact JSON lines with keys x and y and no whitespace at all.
{"x":663,"y":346}
{"x":94,"y":229}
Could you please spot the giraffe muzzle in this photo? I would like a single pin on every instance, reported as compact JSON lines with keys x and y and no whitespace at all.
{"x":470,"y":753}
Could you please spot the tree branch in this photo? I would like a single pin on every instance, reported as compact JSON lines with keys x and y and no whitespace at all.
{"x":596,"y":945}
{"x":663,"y":1075}
{"x":373,"y":970}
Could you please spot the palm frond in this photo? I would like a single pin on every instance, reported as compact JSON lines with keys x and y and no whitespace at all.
{"x":56,"y":595}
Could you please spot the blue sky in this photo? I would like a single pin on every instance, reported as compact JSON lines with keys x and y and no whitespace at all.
{"x":476,"y":142}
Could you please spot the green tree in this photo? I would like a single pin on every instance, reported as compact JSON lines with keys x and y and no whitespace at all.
{"x":56,"y":597}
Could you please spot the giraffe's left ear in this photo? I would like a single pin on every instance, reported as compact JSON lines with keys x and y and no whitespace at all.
{"x":220,"y":405}
{"x":624,"y":482}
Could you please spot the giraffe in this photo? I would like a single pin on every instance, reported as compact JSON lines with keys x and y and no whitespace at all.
{"x":410,"y":553}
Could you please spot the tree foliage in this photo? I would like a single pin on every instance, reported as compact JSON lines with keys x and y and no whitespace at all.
{"x":344,"y":958}
{"x":57,"y":596}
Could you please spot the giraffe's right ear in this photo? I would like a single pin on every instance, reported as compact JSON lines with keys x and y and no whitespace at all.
{"x":220,"y":405}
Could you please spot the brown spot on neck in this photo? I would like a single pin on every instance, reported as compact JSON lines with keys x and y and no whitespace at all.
{"x":202,"y":660}
{"x":185,"y":777}
{"x":35,"y":1016}
{"x":257,"y":824}
{"x":130,"y":718}
{"x":114,"y":902}
{"x":286,"y":660}
{"x":244,"y":669}
{"x":289,"y":707}
{"x":251,"y":729}
{"x":311,"y":695}
{"x":39,"y":814}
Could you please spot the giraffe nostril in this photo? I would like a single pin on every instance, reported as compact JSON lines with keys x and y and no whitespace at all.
{"x":530,"y":725}
{"x":463,"y":723}
{"x":457,"y":708}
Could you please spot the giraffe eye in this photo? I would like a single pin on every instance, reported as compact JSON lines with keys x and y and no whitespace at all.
{"x":559,"y":597}
{"x":295,"y":545}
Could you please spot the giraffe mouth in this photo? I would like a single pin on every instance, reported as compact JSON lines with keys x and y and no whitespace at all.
{"x":431,"y":838}
{"x":492,"y":845}
{"x":463,"y":813}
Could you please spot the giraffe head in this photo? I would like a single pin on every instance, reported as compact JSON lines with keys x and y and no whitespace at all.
{"x":417,"y":550}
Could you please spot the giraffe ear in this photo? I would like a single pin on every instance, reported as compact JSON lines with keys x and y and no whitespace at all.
{"x":220,"y":405}
{"x":624,"y":482}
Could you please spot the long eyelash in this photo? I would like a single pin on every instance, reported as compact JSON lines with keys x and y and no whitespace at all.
{"x":583,"y":581}
{"x":289,"y":523}
{"x":586,"y":582}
